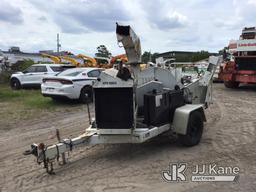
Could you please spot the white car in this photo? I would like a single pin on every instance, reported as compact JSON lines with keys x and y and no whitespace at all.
{"x":32,"y":76}
{"x":72,"y":84}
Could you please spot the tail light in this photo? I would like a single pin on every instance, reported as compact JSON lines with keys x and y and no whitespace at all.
{"x":66,"y":82}
{"x":62,"y":81}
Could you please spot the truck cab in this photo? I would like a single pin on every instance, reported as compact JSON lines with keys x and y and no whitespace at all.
{"x":241,"y":67}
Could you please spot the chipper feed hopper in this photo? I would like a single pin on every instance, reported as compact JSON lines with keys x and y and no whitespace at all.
{"x":133,"y":106}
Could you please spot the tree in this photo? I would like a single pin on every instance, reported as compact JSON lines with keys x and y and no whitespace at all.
{"x":7,"y":70}
{"x":225,"y":54}
{"x":147,"y":56}
{"x":102,"y":52}
{"x":22,"y":65}
{"x":200,"y":56}
{"x":153,"y":57}
{"x":196,"y":56}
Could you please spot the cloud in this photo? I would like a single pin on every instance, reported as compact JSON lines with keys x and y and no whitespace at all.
{"x":252,"y":2}
{"x":245,"y":11}
{"x":68,"y":25}
{"x":10,"y":13}
{"x":162,"y":25}
{"x":42,"y":18}
{"x":98,"y":15}
{"x":172,"y":20}
{"x":83,"y":16}
{"x":164,"y":15}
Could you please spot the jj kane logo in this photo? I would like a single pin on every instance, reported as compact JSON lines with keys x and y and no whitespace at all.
{"x":212,"y":172}
{"x":176,"y":172}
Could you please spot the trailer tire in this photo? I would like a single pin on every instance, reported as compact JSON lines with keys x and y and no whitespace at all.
{"x":194,"y":130}
{"x":15,"y":84}
{"x":231,"y":84}
{"x":86,"y":91}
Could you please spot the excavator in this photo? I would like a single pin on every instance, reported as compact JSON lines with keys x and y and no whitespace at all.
{"x":88,"y":61}
{"x":55,"y":59}
{"x":121,"y":57}
{"x":101,"y":62}
{"x":124,"y":59}
{"x":71,"y":60}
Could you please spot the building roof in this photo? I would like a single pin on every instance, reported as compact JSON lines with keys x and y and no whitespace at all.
{"x":22,"y":53}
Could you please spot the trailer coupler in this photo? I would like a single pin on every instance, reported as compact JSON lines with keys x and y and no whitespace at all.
{"x":41,"y":158}
{"x":32,"y":151}
{"x":48,"y":154}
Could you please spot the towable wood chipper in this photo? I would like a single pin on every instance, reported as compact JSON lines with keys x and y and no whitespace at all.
{"x":134,"y":105}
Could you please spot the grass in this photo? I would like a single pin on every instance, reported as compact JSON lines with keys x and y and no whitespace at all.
{"x":29,"y":98}
{"x":6,"y":93}
{"x":27,"y":104}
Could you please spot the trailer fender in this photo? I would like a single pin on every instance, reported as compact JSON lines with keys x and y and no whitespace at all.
{"x":181,"y":117}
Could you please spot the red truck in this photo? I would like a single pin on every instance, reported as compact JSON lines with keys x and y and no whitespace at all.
{"x":240,"y":66}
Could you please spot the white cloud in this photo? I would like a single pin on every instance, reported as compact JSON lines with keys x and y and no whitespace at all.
{"x":162,"y":25}
{"x":252,"y":2}
{"x":83,"y":16}
{"x":182,"y":19}
{"x":10,"y":13}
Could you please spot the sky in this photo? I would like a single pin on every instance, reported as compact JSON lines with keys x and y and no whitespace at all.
{"x":162,"y":25}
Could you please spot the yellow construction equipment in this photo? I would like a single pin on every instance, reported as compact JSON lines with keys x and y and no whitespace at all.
{"x":88,"y":61}
{"x":71,"y":60}
{"x":103,"y":62}
{"x":100,"y":62}
{"x":55,"y":59}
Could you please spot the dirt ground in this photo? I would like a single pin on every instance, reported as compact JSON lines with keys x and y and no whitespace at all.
{"x":228,"y":139}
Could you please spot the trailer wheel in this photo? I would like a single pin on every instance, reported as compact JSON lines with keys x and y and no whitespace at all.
{"x":15,"y":84}
{"x":86,"y":95}
{"x":194,"y":130}
{"x":231,"y":84}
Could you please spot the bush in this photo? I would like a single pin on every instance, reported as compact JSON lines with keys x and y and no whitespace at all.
{"x":5,"y":76}
{"x":6,"y":72}
{"x":22,"y":65}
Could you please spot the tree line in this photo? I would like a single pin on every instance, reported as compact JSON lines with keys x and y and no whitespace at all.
{"x":147,"y":56}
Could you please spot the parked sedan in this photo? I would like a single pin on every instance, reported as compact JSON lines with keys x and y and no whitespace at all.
{"x":72,"y":84}
{"x":32,"y":76}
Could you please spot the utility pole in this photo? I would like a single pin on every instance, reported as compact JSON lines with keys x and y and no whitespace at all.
{"x":58,"y":43}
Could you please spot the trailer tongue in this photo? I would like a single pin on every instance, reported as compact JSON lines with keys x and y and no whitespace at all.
{"x":133,"y":106}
